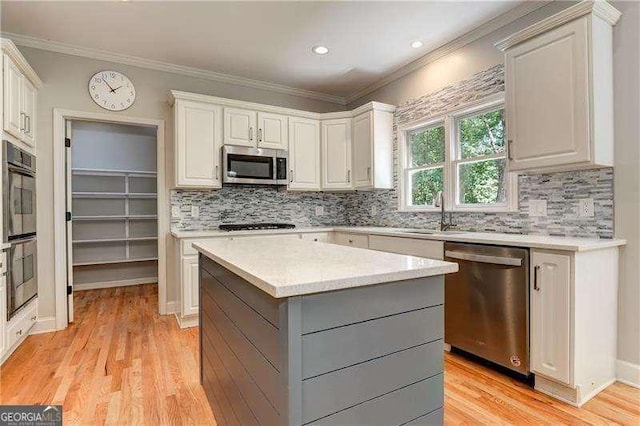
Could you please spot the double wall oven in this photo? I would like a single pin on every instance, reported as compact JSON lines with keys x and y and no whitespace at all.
{"x":19,"y":217}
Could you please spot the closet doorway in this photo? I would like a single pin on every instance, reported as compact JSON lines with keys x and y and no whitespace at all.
{"x":112,"y":190}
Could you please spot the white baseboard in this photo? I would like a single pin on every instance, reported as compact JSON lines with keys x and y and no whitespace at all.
{"x":111,"y":284}
{"x":173,"y":307}
{"x":44,"y":325}
{"x":628,"y":373}
{"x":187,"y":322}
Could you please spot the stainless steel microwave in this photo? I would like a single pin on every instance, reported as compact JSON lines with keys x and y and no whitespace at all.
{"x":257,"y":166}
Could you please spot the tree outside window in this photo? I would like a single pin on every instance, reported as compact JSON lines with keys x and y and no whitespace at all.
{"x":463,"y":155}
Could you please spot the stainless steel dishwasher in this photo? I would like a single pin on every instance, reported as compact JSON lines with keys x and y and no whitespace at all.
{"x":487,"y":303}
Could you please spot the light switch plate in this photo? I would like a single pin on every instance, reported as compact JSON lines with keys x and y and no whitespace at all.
{"x":374,"y":210}
{"x":537,"y":208}
{"x":175,"y":211}
{"x":195,"y":211}
{"x":586,"y":207}
{"x":319,"y":211}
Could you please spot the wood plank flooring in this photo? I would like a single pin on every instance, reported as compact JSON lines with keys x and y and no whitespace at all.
{"x":122,"y":363}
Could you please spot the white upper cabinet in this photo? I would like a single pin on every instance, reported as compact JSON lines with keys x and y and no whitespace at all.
{"x":240,"y":127}
{"x":559,"y":90}
{"x":198,"y":127}
{"x":19,"y":89}
{"x":304,"y":154}
{"x":373,"y":150}
{"x":272,"y":131}
{"x":551,"y":315}
{"x":29,"y":107}
{"x":336,"y":154}
{"x":13,"y":114}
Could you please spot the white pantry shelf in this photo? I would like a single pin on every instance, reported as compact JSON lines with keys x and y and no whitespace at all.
{"x":106,"y":262}
{"x":113,"y":240}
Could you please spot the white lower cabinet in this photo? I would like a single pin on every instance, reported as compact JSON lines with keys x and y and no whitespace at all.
{"x":353,"y":240}
{"x":321,"y":237}
{"x":18,"y":328}
{"x":410,"y":246}
{"x":190,"y":285}
{"x":3,"y":314}
{"x":573,"y":309}
{"x":550,"y":315}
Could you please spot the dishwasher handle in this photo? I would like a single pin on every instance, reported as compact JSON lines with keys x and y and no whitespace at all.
{"x":482,"y":258}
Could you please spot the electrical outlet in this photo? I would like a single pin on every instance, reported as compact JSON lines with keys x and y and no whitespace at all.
{"x":319,"y":211}
{"x":586,"y":207}
{"x":374,"y":210}
{"x":195,"y":211}
{"x":175,"y":211}
{"x":537,"y":208}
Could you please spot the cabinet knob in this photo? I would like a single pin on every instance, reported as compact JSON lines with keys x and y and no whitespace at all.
{"x":315,"y":239}
{"x":19,"y":333}
{"x":33,"y":318}
{"x":350,"y":241}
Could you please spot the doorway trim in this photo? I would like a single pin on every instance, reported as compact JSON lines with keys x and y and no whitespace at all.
{"x":60,"y":116}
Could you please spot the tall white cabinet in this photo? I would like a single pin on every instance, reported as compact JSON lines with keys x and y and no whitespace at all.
{"x":198,"y":138}
{"x":559,"y":90}
{"x":373,"y":149}
{"x":20,"y":85}
{"x":304,"y":154}
{"x":336,"y":154}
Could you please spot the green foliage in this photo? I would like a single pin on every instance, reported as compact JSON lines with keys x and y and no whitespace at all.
{"x":424,"y":185}
{"x":481,"y":182}
{"x":427,"y":146}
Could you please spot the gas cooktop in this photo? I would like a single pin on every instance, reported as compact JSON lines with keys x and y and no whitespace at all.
{"x":254,"y":226}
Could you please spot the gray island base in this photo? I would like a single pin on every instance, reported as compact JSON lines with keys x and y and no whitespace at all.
{"x":367,"y":355}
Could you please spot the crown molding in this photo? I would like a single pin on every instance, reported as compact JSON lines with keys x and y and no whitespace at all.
{"x":599,"y":8}
{"x":10,"y":49}
{"x":473,"y":35}
{"x":103,"y":55}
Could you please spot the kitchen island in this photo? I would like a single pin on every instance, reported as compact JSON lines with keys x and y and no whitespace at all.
{"x":314,"y":333}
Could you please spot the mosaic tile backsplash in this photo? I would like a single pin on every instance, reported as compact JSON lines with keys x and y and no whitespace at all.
{"x":562,"y":191}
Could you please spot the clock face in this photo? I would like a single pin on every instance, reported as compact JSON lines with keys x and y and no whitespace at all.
{"x":112,"y":90}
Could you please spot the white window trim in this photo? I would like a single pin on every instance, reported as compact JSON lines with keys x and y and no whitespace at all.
{"x":449,"y":118}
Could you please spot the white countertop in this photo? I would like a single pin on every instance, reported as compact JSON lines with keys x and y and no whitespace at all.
{"x":304,"y":267}
{"x":514,"y":240}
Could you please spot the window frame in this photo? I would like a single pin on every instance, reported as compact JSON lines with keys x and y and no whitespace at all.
{"x":453,"y":160}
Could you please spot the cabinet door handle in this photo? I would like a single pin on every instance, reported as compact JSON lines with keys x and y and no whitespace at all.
{"x":23,"y":121}
{"x":536,"y":274}
{"x":259,"y":135}
{"x":28,"y":117}
{"x":250,"y":133}
{"x":19,"y":333}
{"x":291,"y":176}
{"x":216,"y":172}
{"x":348,"y":176}
{"x":368,"y":173}
{"x":509,"y":144}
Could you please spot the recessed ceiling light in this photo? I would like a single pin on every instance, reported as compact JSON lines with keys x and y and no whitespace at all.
{"x":320,"y":50}
{"x":416,"y":44}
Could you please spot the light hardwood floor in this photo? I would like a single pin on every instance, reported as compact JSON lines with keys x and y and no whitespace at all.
{"x":122,"y":363}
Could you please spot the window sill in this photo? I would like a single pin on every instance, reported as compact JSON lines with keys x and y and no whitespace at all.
{"x":459,"y":210}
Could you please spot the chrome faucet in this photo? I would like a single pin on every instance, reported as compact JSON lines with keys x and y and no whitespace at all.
{"x":444,"y":225}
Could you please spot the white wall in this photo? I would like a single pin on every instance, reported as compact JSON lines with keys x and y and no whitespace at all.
{"x":482,"y":54}
{"x":626,"y":71}
{"x":65,"y":86}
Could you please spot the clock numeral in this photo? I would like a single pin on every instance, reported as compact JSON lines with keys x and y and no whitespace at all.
{"x":113,"y":75}
{"x":104,"y":102}
{"x":93,"y":87}
{"x":113,"y":106}
{"x":130,"y":93}
{"x":128,"y":100}
{"x":96,"y":96}
{"x":98,"y":80}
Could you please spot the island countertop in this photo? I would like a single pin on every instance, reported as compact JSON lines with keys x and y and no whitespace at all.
{"x":305,"y":267}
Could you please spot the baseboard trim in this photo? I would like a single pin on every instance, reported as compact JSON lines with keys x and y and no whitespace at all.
{"x":628,"y":373}
{"x":44,"y":325}
{"x":187,"y":322}
{"x":172,"y":307}
{"x":112,"y":284}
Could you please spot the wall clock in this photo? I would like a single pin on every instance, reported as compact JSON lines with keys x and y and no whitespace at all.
{"x":112,"y":90}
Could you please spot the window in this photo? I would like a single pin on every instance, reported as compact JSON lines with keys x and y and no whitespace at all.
{"x":463,"y":155}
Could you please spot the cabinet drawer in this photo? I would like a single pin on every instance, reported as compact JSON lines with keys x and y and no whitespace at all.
{"x":353,"y":240}
{"x":187,"y":248}
{"x":322,"y":237}
{"x":409,"y":246}
{"x":20,"y":325}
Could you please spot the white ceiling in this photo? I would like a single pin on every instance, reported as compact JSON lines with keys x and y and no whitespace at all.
{"x":268,"y":41}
